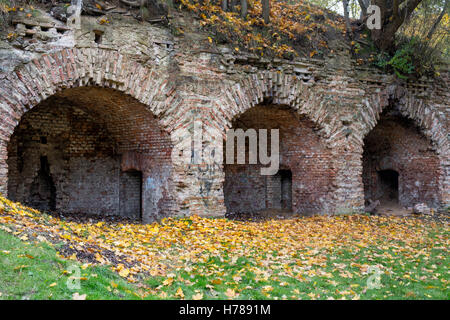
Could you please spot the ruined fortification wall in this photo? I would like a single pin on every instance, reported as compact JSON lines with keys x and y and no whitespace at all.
{"x":170,"y":82}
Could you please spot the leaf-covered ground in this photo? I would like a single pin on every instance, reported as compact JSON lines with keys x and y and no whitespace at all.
{"x":34,"y":271}
{"x":299,"y":28}
{"x":321,"y":257}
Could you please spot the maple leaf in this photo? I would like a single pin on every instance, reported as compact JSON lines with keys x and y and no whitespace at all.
{"x":154,"y":229}
{"x":230,"y":293}
{"x":197,"y":296}
{"x":77,"y":296}
{"x":123,"y":272}
{"x":179,"y":293}
{"x":168,"y":281}
{"x":21,"y":267}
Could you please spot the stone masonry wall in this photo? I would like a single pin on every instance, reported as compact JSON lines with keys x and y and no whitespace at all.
{"x":167,"y":83}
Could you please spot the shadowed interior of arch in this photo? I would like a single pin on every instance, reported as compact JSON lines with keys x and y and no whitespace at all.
{"x":90,"y":150}
{"x":303,"y":181}
{"x":388,"y":180}
{"x":400,"y":166}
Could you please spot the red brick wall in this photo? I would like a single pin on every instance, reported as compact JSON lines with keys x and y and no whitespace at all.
{"x":87,"y":132}
{"x":131,"y":194}
{"x":397,"y":144}
{"x":301,"y":151}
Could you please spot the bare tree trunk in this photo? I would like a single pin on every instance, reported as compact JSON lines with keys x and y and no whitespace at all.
{"x":266,"y":11}
{"x":438,"y":20}
{"x":244,"y":8}
{"x":384,"y":38}
{"x":395,"y":9}
{"x":224,"y":5}
{"x":363,"y":4}
{"x":347,"y":18}
{"x":232,"y":5}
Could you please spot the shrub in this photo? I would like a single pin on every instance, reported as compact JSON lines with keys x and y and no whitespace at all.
{"x":414,"y":57}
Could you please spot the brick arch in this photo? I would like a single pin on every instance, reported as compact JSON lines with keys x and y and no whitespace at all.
{"x":423,"y":115}
{"x":304,"y":100}
{"x":32,"y":83}
{"x":68,"y":68}
{"x":281,"y":89}
{"x":411,"y":107}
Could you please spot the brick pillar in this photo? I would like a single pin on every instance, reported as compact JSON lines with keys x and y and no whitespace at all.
{"x":153,"y":188}
{"x":198,"y":177}
{"x":348,"y":195}
{"x":199,"y":190}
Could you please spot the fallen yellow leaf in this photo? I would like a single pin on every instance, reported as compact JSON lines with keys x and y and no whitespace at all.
{"x":77,"y":296}
{"x":124,"y":273}
{"x":198,"y":296}
{"x":179,"y":293}
{"x":230,"y":293}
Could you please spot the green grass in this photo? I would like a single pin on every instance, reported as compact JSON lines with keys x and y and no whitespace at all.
{"x":28,"y":271}
{"x":420,"y":271}
{"x":401,"y":277}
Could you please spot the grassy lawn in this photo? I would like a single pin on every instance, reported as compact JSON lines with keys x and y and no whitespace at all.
{"x":406,"y":279}
{"x":34,"y":271}
{"x":323,"y":257}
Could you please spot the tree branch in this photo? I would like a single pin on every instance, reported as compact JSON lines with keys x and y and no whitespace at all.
{"x":395,"y":12}
{"x":244,"y":8}
{"x":224,"y":5}
{"x":408,"y":9}
{"x":438,"y":20}
{"x":347,"y":18}
{"x":134,"y":4}
{"x":363,"y":6}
